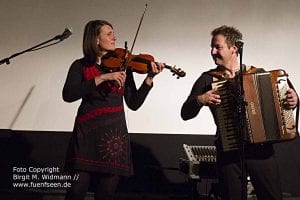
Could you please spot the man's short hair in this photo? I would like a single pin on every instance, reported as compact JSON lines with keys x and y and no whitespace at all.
{"x":230,"y":33}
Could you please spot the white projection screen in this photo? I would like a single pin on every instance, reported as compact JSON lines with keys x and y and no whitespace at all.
{"x":176,"y":32}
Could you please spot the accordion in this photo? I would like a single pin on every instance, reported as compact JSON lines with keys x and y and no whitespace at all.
{"x":266,"y":116}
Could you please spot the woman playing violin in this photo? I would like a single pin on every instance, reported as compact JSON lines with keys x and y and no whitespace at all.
{"x":99,"y":148}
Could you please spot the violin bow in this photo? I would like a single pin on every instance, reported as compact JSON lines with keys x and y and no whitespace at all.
{"x":124,"y":67}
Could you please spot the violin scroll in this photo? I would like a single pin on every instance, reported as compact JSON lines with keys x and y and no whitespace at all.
{"x":179,"y":72}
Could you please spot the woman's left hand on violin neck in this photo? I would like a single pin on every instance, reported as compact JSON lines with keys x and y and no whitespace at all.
{"x":156,"y":68}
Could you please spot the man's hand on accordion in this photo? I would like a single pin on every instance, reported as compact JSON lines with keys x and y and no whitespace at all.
{"x":291,"y":99}
{"x":210,"y":98}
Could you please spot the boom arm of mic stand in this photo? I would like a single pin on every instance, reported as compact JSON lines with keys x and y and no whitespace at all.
{"x":7,"y":60}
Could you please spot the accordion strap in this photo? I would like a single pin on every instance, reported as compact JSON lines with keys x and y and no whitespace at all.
{"x":218,"y":74}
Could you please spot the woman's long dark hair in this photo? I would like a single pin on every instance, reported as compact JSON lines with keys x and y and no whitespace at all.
{"x":91,"y":32}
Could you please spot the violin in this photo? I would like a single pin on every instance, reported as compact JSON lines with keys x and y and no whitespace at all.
{"x":121,"y":59}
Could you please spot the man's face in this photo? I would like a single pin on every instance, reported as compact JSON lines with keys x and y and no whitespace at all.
{"x":221,"y":53}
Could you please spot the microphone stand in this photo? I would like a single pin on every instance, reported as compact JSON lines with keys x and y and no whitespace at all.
{"x":7,"y":60}
{"x":242,"y":120}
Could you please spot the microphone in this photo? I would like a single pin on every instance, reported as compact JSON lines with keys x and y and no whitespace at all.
{"x":239,"y":44}
{"x":64,"y":35}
